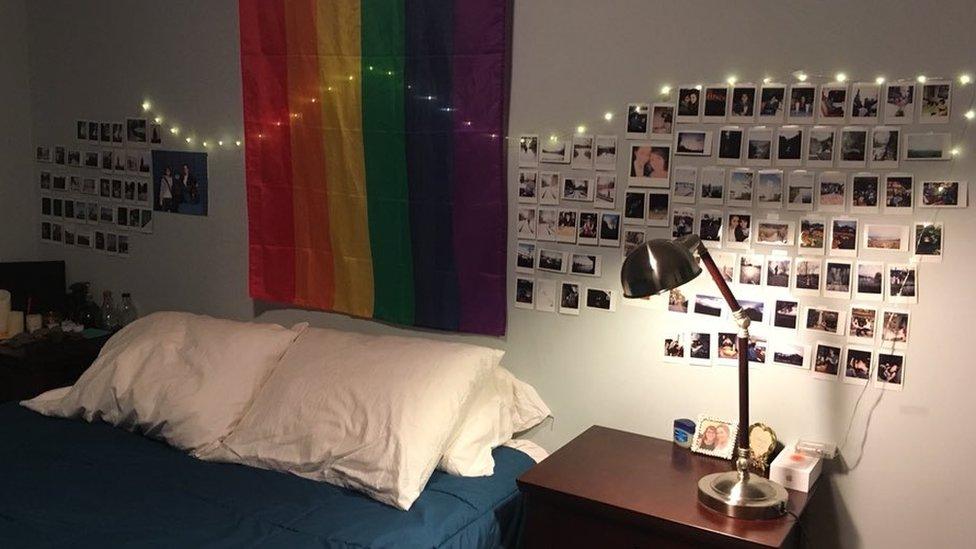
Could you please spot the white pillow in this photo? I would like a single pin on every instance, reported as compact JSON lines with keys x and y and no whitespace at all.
{"x":369,"y":413}
{"x":184,"y":378}
{"x":501,"y":407}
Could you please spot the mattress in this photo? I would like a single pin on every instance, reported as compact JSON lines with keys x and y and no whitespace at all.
{"x":66,"y":483}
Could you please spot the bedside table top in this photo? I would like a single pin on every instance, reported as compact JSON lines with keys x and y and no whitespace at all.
{"x":647,"y":480}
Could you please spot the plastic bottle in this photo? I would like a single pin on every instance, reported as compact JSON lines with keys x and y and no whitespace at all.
{"x":110,"y":315}
{"x":127,"y":311}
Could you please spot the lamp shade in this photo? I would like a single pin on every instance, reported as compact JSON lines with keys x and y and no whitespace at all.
{"x":660,"y":265}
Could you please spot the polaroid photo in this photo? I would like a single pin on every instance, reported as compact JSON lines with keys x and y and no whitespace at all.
{"x":569,"y":298}
{"x":685,"y":185}
{"x":74,"y":158}
{"x":525,"y":227}
{"x":821,"y":144}
{"x":587,"y":230}
{"x":549,"y":188}
{"x":134,"y":221}
{"x":741,"y":186}
{"x":738,"y":229}
{"x":901,"y":284}
{"x":662,"y":121}
{"x":776,"y":273}
{"x":885,"y":146}
{"x":928,"y":146}
{"x":553,"y":151}
{"x":585,"y":264}
{"x":118,"y":134}
{"x":772,"y":102}
{"x":93,"y":131}
{"x":105,"y":132}
{"x":791,"y":355}
{"x":894,"y":329}
{"x":674,"y":349}
{"x":677,"y":301}
{"x":843,"y":236}
{"x":864,"y":97}
{"x":929,"y":238}
{"x":524,"y":293}
{"x":81,"y":211}
{"x":801,"y":105}
{"x":759,"y":146}
{"x":726,"y":349}
{"x":689,"y":103}
{"x":831,"y":192}
{"x":716,"y":103}
{"x":650,"y":165}
{"x":566,"y":226}
{"x":92,"y":159}
{"x":885,"y":237}
{"x":92,"y":213}
{"x":553,"y":261}
{"x":853,"y":147}
{"x":60,"y":182}
{"x":69,"y":235}
{"x":112,"y":243}
{"x":132,"y":161}
{"x":582,"y":152}
{"x":700,"y":349}
{"x":711,"y":188}
{"x":799,"y":191}
{"x":899,"y":107}
{"x":46,"y":231}
{"x":870,"y":282}
{"x":99,"y":241}
{"x":789,"y":146}
{"x":708,"y":305}
{"x":710,"y":228}
{"x":117,"y":187}
{"x":606,"y":191}
{"x":578,"y":189}
{"x":528,"y":185}
{"x":726,"y":263}
{"x":769,"y":189}
{"x":832,"y":103}
{"x":88,"y":185}
{"x":638,"y":115}
{"x":742,"y":103}
{"x":155,"y":133}
{"x":682,"y":222}
{"x":635,"y":207}
{"x":943,"y":194}
{"x":57,"y":207}
{"x":657,"y":208}
{"x":43,"y":154}
{"x":46,"y":206}
{"x":601,"y":299}
{"x":525,"y":253}
{"x":693,"y":143}
{"x":750,"y":270}
{"x":60,"y":155}
{"x":858,"y":363}
{"x":122,"y":216}
{"x":146,"y":220}
{"x":45,"y":181}
{"x":755,"y":310}
{"x":891,"y":371}
{"x":865,"y":193}
{"x":108,"y":160}
{"x":935,"y":99}
{"x":862,"y":324}
{"x":69,"y":210}
{"x":606,"y":152}
{"x":774,"y":232}
{"x":730,"y":143}
{"x":105,"y":188}
{"x":838,"y":277}
{"x":610,"y":228}
{"x":545,"y":295}
{"x":57,"y":233}
{"x":528,"y":151}
{"x":120,"y":161}
{"x":826,"y":360}
{"x":136,"y":132}
{"x":822,"y":319}
{"x":899,"y":194}
{"x":633,"y":238}
{"x":145,"y":162}
{"x":81,"y":133}
{"x":715,"y":437}
{"x":807,"y":273}
{"x":83,"y":239}
{"x":785,"y":312}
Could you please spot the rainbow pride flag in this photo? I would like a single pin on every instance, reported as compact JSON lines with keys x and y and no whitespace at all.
{"x":375,"y":157}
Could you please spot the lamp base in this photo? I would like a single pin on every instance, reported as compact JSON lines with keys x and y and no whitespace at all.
{"x":744,"y":496}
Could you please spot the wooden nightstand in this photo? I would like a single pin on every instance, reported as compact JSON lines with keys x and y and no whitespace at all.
{"x":28,"y":371}
{"x":610,"y":488}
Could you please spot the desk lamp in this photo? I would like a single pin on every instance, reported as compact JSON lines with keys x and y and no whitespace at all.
{"x":661,"y":265}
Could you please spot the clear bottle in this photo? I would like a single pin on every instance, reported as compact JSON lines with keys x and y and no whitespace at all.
{"x":127,"y":311}
{"x":110,"y":315}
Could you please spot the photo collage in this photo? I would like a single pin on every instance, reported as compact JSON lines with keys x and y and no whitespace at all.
{"x":806,"y":195}
{"x":97,"y":193}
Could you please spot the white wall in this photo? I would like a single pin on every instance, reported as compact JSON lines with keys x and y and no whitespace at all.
{"x":574,"y":60}
{"x":17,"y":184}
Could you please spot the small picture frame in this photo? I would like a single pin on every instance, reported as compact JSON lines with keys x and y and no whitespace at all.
{"x":714,"y":437}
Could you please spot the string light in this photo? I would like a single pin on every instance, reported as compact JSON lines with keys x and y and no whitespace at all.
{"x":174,"y":130}
{"x":237,"y":143}
{"x":553,"y":138}
{"x":146,"y":105}
{"x":731,"y":80}
{"x":879,"y":80}
{"x":767,"y":80}
{"x":314,"y":100}
{"x":965,"y":79}
{"x":921,"y":79}
{"x":841,"y":77}
{"x":351,"y":78}
{"x":665,"y":90}
{"x":581,"y":129}
{"x":698,"y":87}
{"x":970,"y":114}
{"x":801,"y":76}
{"x":206,"y":143}
{"x":220,"y":143}
{"x":189,"y":140}
{"x":608,"y":116}
{"x":956,"y":151}
{"x":158,"y":120}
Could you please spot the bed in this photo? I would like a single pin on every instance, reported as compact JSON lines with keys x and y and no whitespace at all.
{"x":67,"y":483}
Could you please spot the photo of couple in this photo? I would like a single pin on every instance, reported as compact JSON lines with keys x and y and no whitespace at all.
{"x":180,"y":182}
